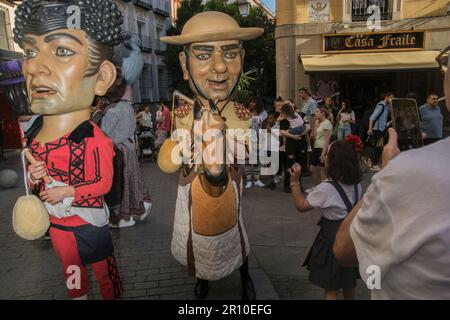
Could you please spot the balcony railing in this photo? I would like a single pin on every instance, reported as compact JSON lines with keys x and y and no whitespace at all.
{"x":146,"y":43}
{"x":145,"y":4}
{"x":359,"y":9}
{"x":161,"y":7}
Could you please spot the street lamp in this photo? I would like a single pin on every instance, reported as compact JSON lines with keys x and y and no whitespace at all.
{"x":244,"y":7}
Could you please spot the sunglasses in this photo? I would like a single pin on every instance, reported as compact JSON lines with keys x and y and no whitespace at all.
{"x":442,"y":59}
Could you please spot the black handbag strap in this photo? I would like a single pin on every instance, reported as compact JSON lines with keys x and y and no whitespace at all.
{"x":381,"y":113}
{"x":344,"y":196}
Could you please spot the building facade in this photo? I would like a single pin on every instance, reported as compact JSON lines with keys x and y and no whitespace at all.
{"x":356,"y":49}
{"x":253,"y":3}
{"x":149,"y":19}
{"x":8,"y":48}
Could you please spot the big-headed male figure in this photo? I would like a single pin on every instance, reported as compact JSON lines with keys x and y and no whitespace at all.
{"x":68,"y":46}
{"x":209,"y":235}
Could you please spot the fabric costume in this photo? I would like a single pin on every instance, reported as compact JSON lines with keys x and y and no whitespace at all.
{"x":209,"y":235}
{"x":79,"y":226}
{"x":119,"y":124}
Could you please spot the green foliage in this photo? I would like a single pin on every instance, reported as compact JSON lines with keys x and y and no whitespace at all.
{"x":242,"y":96}
{"x":259,"y":52}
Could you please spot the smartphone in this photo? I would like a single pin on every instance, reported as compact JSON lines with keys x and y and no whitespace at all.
{"x":406,"y":121}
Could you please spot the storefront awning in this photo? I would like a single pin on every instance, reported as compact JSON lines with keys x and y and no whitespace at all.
{"x":370,"y":61}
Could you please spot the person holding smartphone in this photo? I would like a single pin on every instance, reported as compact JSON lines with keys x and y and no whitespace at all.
{"x":401,"y":226}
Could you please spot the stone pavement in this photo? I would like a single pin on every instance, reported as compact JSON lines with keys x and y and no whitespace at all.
{"x":279,"y":238}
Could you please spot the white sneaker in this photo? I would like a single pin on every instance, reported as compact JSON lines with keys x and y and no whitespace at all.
{"x":375,"y":168}
{"x":276,"y":179}
{"x":248,"y":185}
{"x":309,"y":190}
{"x":123,"y":223}
{"x":258,"y":183}
{"x":148,"y":207}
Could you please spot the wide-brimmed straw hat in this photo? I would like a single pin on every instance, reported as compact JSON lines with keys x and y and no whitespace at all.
{"x":212,"y":26}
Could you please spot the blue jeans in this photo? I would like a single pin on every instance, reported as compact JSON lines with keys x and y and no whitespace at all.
{"x":344,"y":131}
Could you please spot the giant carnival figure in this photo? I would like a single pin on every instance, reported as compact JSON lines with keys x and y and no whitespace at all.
{"x":209,"y":235}
{"x":68,"y":47}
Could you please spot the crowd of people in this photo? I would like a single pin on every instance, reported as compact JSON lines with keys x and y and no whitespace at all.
{"x":306,"y":133}
{"x":388,"y":227}
{"x":88,"y":175}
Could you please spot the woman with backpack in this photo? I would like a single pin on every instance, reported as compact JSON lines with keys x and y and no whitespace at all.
{"x":335,"y":198}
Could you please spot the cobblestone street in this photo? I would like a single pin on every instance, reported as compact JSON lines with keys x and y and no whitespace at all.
{"x":279,"y":238}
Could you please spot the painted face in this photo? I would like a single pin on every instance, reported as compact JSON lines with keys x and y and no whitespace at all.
{"x":215,"y":67}
{"x":54,"y":68}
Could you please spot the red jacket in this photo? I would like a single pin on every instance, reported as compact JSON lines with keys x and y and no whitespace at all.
{"x":82,"y":159}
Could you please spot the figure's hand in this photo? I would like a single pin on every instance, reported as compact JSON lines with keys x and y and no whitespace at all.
{"x":295,"y":171}
{"x":390,"y":150}
{"x":211,"y":120}
{"x":57,"y":194}
{"x":424,"y":135}
{"x":37,"y":170}
{"x":369,"y":132}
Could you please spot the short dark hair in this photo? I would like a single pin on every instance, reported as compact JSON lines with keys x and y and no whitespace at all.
{"x":386,"y":94}
{"x":306,"y":90}
{"x":279,"y":99}
{"x":343,"y":163}
{"x":432,"y":95}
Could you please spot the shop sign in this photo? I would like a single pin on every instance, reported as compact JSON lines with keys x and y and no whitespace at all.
{"x":374,"y":41}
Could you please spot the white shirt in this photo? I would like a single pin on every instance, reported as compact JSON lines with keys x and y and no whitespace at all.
{"x":296,"y":122}
{"x":327,"y":198}
{"x":345,"y":116}
{"x":403,"y":226}
{"x":146,"y":119}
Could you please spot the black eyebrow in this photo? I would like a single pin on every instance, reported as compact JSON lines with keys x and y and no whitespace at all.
{"x":54,"y":36}
{"x":231,"y":47}
{"x":203,"y":48}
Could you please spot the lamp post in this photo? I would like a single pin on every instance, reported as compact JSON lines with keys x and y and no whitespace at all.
{"x":244,"y":7}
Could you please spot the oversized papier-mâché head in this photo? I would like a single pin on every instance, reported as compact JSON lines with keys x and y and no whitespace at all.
{"x":213,"y":56}
{"x":68,"y":47}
